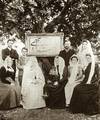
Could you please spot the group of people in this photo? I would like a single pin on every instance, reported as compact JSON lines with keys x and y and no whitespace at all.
{"x":78,"y":87}
{"x":69,"y":80}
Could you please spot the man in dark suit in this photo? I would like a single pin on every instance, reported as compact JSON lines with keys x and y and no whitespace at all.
{"x":67,"y":52}
{"x":9,"y":51}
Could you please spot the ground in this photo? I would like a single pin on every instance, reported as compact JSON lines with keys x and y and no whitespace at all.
{"x":43,"y":114}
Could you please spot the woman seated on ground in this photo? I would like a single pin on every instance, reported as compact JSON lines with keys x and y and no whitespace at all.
{"x":85,"y":95}
{"x":9,"y":91}
{"x":75,"y":76}
{"x":55,"y":86}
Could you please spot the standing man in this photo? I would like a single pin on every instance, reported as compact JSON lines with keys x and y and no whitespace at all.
{"x":66,"y":55}
{"x":9,"y":51}
{"x":67,"y":52}
{"x":21,"y":63}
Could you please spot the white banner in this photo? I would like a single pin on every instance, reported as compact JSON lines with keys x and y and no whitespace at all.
{"x":44,"y":45}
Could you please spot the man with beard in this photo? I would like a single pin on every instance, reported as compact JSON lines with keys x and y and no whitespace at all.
{"x":67,"y":52}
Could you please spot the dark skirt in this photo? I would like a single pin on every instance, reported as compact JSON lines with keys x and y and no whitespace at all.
{"x":9,"y":96}
{"x":56,"y":96}
{"x":85,"y":99}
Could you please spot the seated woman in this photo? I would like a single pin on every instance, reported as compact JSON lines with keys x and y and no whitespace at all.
{"x":85,"y":95}
{"x":84,"y":48}
{"x":9,"y":91}
{"x":55,"y":87}
{"x":75,"y":76}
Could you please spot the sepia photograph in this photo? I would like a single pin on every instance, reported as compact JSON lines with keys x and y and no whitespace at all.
{"x":49,"y":59}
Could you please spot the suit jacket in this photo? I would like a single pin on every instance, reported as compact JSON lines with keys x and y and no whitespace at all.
{"x":20,"y":64}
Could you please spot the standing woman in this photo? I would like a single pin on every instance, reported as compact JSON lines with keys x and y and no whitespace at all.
{"x":32,"y":85}
{"x":84,"y":49}
{"x":75,"y":76}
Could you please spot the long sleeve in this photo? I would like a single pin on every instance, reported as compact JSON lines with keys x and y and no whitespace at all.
{"x":65,"y":76}
{"x":5,"y":81}
{"x":4,"y":54}
{"x":86,"y":73}
{"x":80,"y":74}
{"x":19,"y":66}
{"x":97,"y":71}
{"x":21,"y":62}
{"x":96,"y":76}
{"x":14,"y":54}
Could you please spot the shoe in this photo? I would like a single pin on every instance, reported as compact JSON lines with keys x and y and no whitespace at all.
{"x":92,"y":113}
{"x":48,"y":109}
{"x":20,"y":106}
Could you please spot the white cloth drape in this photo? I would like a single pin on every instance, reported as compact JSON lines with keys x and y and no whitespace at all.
{"x":83,"y":61}
{"x":82,"y":54}
{"x":59,"y":61}
{"x":32,"y":85}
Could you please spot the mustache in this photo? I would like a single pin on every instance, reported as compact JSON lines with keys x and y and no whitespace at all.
{"x":67,"y":47}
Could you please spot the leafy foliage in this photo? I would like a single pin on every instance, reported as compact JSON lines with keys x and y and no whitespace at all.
{"x":76,"y":18}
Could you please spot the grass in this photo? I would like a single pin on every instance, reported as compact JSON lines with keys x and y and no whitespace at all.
{"x":44,"y":114}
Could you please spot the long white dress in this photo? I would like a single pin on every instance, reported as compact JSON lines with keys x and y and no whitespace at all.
{"x":32,"y":85}
{"x":75,"y":77}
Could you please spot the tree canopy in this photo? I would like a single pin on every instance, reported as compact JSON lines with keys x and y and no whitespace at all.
{"x":77,"y":19}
